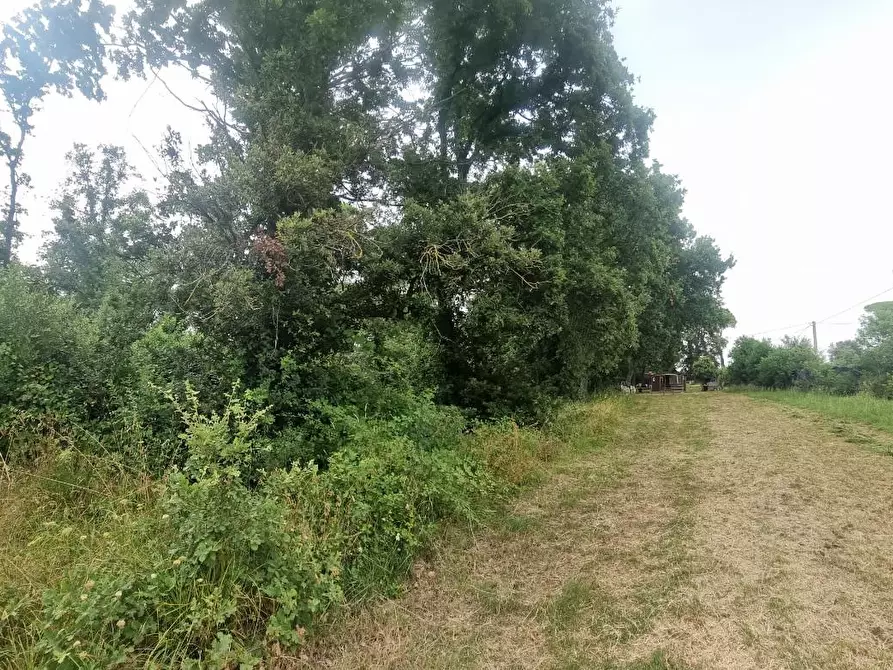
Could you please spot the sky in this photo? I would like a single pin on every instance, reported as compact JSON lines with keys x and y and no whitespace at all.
{"x":776,"y":116}
{"x":774,"y":113}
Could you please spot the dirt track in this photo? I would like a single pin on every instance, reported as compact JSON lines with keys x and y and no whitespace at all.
{"x":716,"y":532}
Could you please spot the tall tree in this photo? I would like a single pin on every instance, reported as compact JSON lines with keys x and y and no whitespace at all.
{"x":102,"y":227}
{"x":875,"y":339}
{"x":747,"y":353}
{"x":55,"y":46}
{"x":476,"y":168}
{"x":514,"y":80}
{"x":300,"y":91}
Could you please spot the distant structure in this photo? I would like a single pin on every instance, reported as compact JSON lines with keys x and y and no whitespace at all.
{"x":665,"y":382}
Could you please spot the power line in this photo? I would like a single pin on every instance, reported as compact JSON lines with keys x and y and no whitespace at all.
{"x":861,"y":302}
{"x":809,"y":323}
{"x":777,"y":330}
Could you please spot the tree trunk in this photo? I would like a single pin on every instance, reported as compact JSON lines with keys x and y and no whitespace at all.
{"x":13,"y":161}
{"x":9,"y":228}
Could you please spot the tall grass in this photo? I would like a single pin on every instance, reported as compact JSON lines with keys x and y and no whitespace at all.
{"x":876,"y":412}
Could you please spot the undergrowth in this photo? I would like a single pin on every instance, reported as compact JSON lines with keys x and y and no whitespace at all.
{"x":224,"y":561}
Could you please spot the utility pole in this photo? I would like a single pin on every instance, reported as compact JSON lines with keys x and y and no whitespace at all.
{"x":815,"y":339}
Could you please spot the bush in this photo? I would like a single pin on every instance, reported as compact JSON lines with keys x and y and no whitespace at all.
{"x":384,"y":379}
{"x":49,"y":362}
{"x":231,"y":565}
{"x":747,"y":354}
{"x":242,"y":557}
{"x":788,"y":367}
{"x":704,"y":369}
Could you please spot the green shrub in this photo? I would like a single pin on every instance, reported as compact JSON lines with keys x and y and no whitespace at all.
{"x":231,"y":565}
{"x":242,"y":557}
{"x":49,"y":362}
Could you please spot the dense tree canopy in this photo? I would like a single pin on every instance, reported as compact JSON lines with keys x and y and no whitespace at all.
{"x":477,"y":173}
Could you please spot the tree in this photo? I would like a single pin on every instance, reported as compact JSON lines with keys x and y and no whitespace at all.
{"x":794,"y":364}
{"x":847,"y":353}
{"x":302,"y":92}
{"x":875,"y":339}
{"x":475,"y":169}
{"x":102,"y":230}
{"x":55,"y":46}
{"x":704,"y":369}
{"x":508,"y":81}
{"x":845,"y":373}
{"x":747,"y":353}
{"x":682,"y":278}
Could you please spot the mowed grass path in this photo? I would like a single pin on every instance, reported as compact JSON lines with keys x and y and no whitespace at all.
{"x":711,"y":532}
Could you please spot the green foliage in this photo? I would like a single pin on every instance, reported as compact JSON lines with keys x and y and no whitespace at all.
{"x":704,"y":369}
{"x":49,"y":362}
{"x":233,"y":563}
{"x":382,"y":498}
{"x":243,"y":554}
{"x":863,"y":365}
{"x":746,"y":354}
{"x":169,"y":359}
{"x":874,"y":354}
{"x":794,"y":364}
{"x":101,"y":234}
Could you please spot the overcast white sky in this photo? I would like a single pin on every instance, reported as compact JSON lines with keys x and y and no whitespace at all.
{"x":777,"y":116}
{"x":775,"y":113}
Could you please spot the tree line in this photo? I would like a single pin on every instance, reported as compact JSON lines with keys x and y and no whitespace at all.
{"x":472,"y":175}
{"x":860,"y":365}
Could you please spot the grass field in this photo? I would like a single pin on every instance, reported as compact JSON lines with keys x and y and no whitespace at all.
{"x":875,"y":412}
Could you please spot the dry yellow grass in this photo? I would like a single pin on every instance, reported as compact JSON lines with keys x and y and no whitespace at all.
{"x":746,"y":538}
{"x":794,"y":548}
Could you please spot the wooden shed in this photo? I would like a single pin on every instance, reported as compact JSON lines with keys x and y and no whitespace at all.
{"x":665,"y":382}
